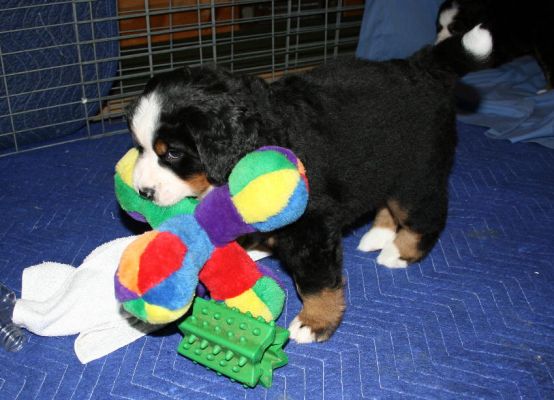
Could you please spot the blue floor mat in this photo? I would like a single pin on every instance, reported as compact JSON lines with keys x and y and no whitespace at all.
{"x":475,"y":319}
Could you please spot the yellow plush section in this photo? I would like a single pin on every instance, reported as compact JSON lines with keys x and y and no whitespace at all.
{"x":161,"y":315}
{"x":266,"y":195}
{"x":130,"y":261}
{"x":125,"y":166}
{"x":249,"y":301}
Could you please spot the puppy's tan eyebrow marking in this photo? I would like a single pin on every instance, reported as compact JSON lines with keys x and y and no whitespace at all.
{"x":160,"y":147}
{"x":198,"y":182}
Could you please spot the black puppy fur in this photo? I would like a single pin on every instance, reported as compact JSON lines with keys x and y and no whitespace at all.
{"x":518,"y":27}
{"x":374,"y":136}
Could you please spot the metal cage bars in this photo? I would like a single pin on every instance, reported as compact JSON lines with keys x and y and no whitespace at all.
{"x":266,"y":37}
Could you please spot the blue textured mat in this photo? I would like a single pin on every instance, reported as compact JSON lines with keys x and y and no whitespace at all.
{"x":473,"y":320}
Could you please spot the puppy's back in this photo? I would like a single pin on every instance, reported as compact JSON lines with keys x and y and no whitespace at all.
{"x":375,"y":123}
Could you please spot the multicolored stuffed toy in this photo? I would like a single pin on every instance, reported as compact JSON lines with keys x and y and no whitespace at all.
{"x":159,"y":271}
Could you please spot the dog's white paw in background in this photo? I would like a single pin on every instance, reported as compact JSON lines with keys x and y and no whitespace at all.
{"x":256,"y":254}
{"x":376,"y":238}
{"x":301,"y":334}
{"x":390,"y":257}
{"x":379,"y":238}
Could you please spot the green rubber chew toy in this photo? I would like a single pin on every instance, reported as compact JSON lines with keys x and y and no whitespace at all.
{"x":237,"y":345}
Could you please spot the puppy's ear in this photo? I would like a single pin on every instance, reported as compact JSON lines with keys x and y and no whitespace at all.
{"x":222,"y":138}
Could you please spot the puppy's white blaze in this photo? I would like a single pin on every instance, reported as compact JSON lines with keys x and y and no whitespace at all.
{"x":478,"y":42}
{"x":145,"y":119}
{"x":376,"y":239}
{"x":299,"y":333}
{"x":390,"y":257}
{"x":445,"y":18}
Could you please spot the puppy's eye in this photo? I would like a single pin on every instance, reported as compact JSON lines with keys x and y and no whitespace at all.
{"x":173,"y":155}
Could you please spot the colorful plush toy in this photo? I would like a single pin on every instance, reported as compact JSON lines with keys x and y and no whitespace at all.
{"x":159,"y":271}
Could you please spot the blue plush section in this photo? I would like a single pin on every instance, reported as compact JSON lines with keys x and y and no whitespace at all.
{"x":53,"y":54}
{"x":473,"y":320}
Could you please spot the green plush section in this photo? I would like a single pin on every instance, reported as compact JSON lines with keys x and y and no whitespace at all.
{"x":254,"y":165}
{"x":271,"y":294}
{"x":136,"y":308}
{"x":130,"y":201}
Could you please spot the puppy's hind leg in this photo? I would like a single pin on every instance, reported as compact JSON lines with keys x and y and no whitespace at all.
{"x":420,"y":228}
{"x":311,"y":249}
{"x":382,"y":232}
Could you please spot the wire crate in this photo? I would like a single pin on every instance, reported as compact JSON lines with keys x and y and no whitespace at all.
{"x":69,"y":67}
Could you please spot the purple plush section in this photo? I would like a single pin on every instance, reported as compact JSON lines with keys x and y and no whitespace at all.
{"x":266,"y":271}
{"x":286,"y":152}
{"x":201,"y":290}
{"x":122,"y":293}
{"x":219,"y":217}
{"x":136,"y":216}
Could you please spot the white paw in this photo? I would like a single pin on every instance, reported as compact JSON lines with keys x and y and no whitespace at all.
{"x":299,"y":333}
{"x":376,"y":238}
{"x":390,"y":257}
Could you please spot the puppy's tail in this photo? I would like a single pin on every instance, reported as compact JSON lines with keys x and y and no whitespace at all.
{"x":463,"y":54}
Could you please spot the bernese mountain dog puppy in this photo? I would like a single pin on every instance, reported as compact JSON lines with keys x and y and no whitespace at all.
{"x":375,"y":137}
{"x":517,"y":27}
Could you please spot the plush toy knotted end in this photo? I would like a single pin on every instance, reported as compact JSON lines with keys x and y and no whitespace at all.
{"x":269,"y":188}
{"x":125,"y":166}
{"x":156,"y":277}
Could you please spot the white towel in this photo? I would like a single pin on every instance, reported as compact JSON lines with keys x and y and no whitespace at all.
{"x":59,"y":300}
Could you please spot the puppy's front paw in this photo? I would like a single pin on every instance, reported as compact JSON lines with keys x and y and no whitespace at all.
{"x":390,"y":257}
{"x":376,"y":238}
{"x":320,"y":316}
{"x":301,"y":333}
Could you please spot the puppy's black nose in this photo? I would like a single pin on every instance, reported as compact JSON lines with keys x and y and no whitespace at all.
{"x":147,"y":193}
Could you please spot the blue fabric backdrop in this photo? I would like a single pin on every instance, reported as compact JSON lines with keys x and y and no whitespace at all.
{"x":396,"y":28}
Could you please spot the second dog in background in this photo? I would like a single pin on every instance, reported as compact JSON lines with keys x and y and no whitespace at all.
{"x":518,"y":28}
